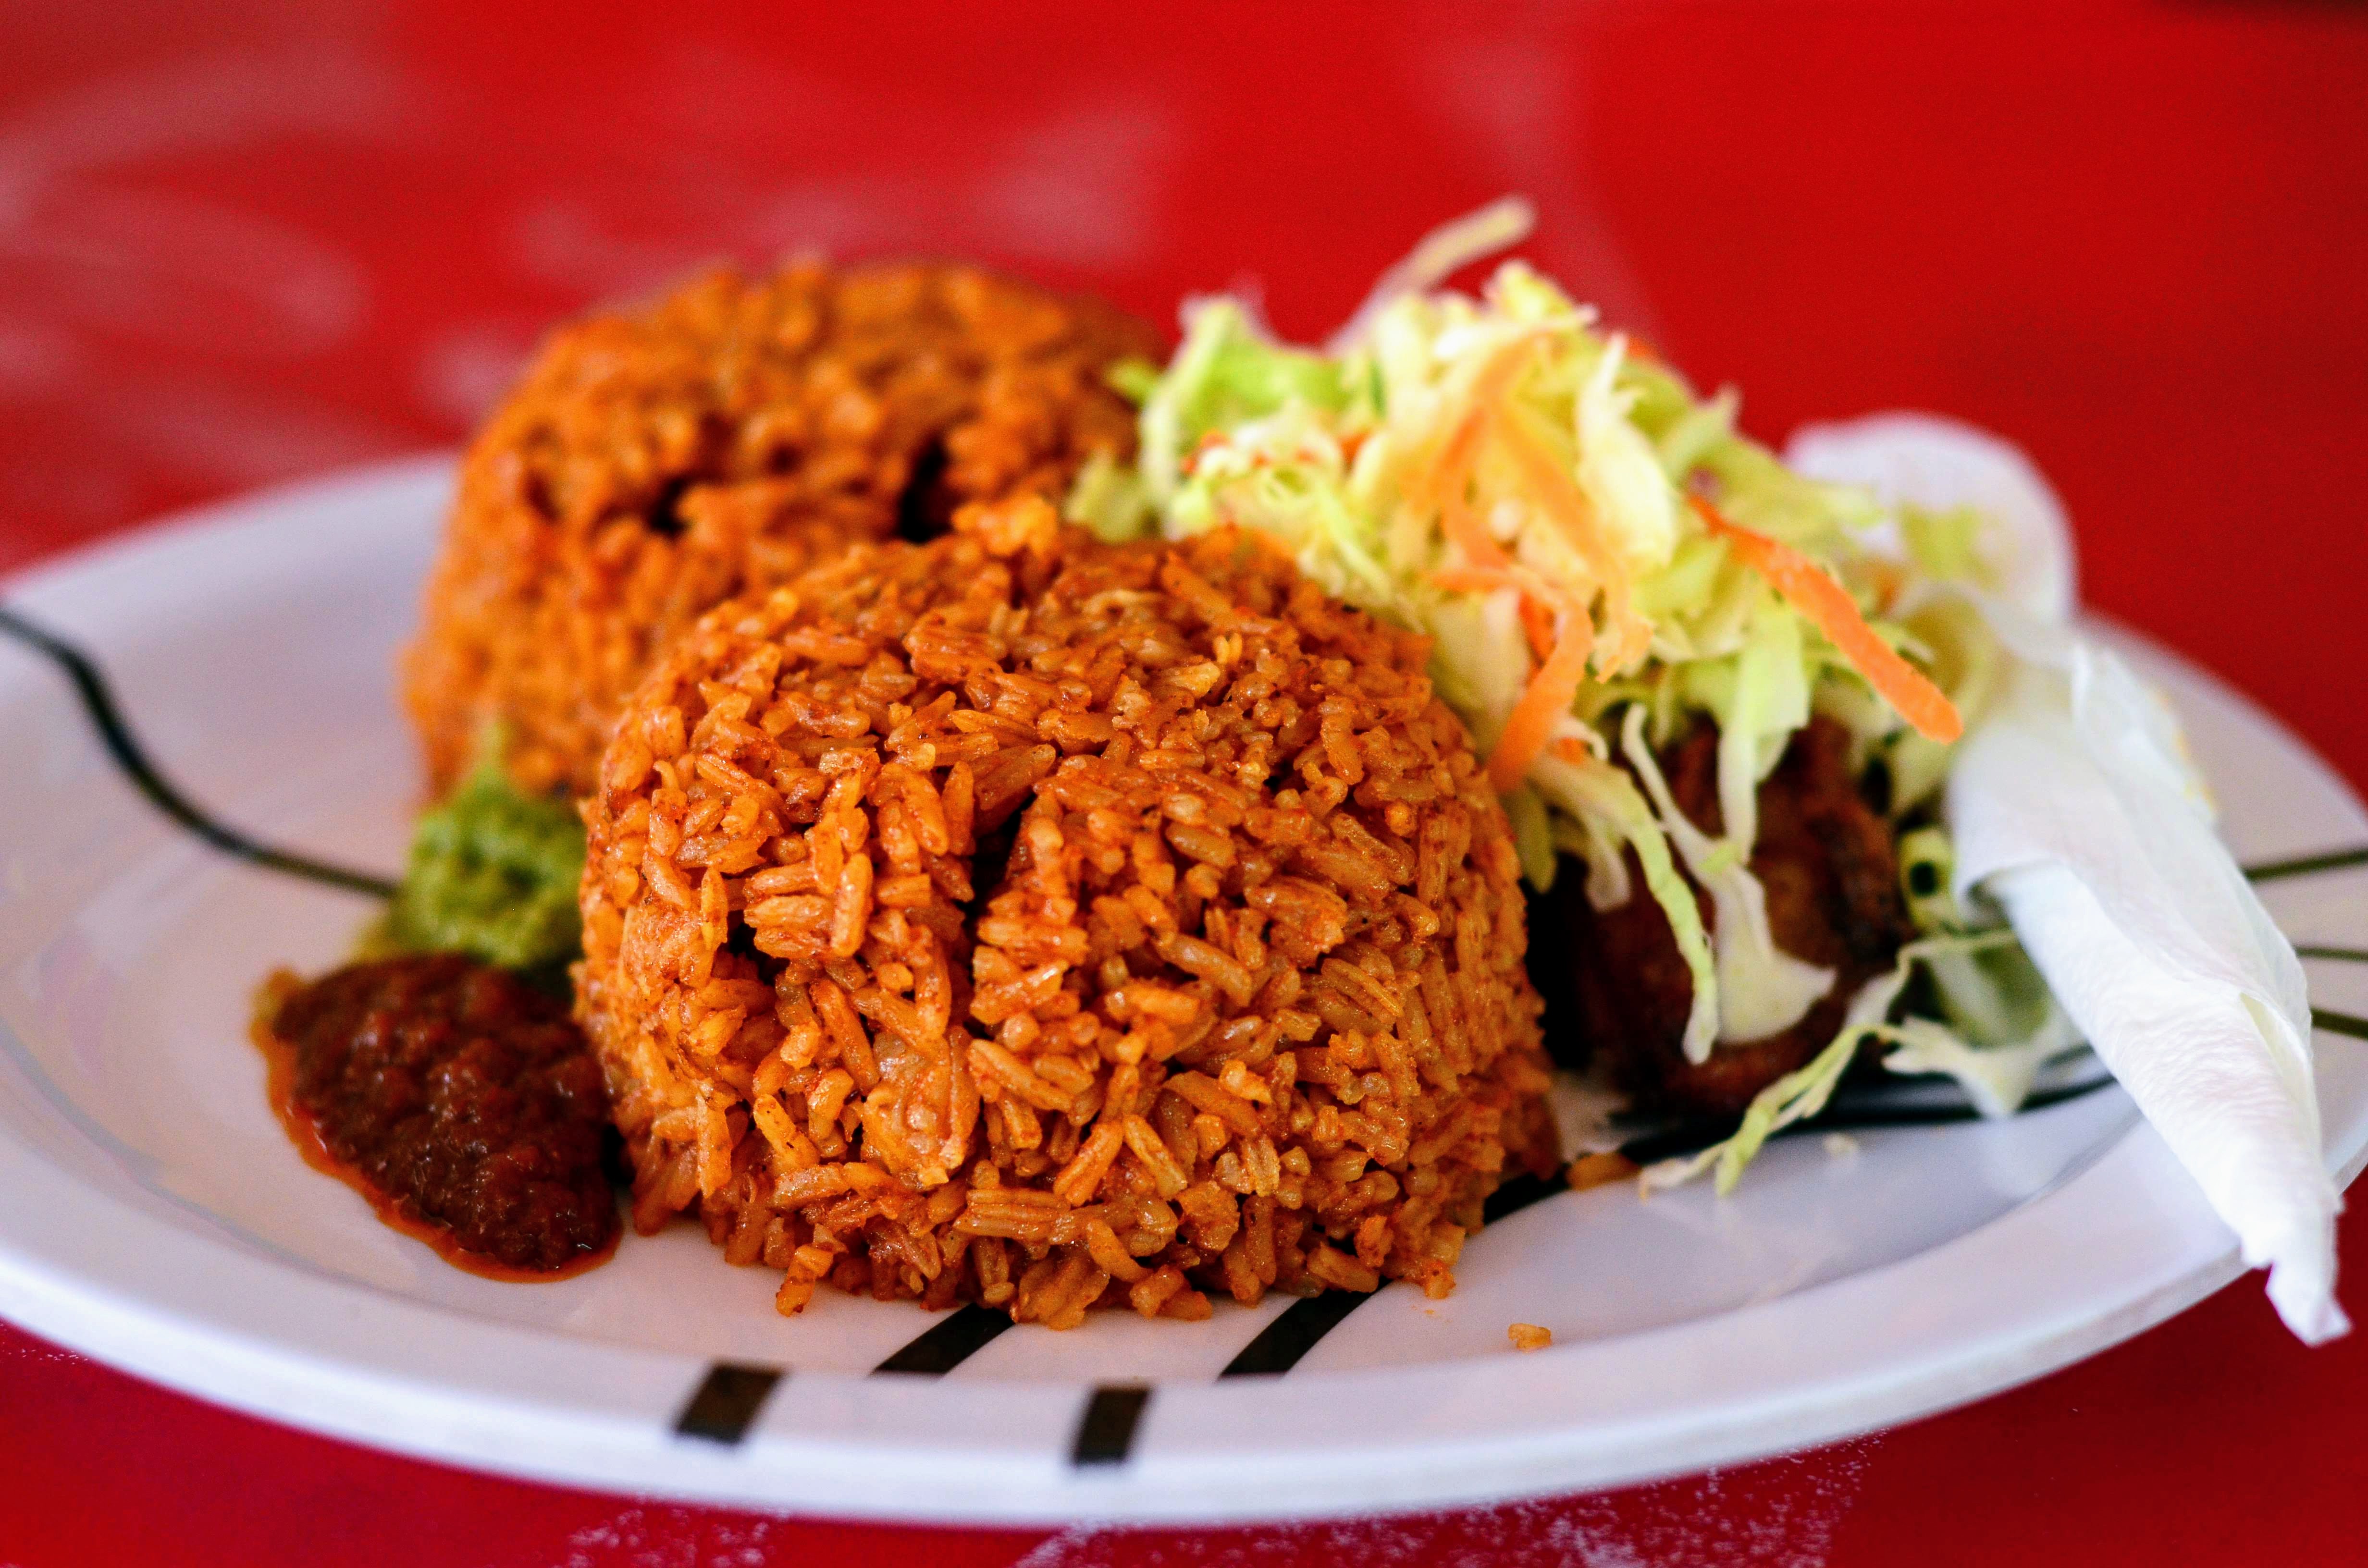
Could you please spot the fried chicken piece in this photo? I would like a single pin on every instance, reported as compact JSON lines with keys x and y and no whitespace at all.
{"x":1831,"y":868}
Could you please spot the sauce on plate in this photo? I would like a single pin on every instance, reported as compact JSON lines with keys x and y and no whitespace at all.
{"x":464,"y":1104}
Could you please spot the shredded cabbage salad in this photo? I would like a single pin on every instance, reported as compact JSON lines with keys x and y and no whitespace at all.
{"x":1602,"y":559}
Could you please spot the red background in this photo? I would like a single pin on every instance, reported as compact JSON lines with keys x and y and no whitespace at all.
{"x":254,"y":241}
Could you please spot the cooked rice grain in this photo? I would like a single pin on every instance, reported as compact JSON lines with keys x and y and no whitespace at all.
{"x":653,"y":463}
{"x":1022,"y":920}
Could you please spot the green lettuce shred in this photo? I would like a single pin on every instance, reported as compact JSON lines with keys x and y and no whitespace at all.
{"x":1604,"y":794}
{"x":1997,"y":1073}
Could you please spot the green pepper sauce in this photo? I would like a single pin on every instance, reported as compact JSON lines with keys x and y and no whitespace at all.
{"x":493,"y":873}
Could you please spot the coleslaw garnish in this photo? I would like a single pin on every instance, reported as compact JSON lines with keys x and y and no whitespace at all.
{"x":1805,"y":1091}
{"x":1603,"y":560}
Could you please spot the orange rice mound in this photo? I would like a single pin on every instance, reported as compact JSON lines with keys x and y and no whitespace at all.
{"x":1019,"y":919}
{"x":655,"y":462}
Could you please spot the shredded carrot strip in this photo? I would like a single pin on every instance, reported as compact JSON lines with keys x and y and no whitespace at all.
{"x":1451,"y":474}
{"x":1562,"y":664}
{"x":1546,"y":697}
{"x":1537,"y":619}
{"x":1811,"y":590}
{"x":1456,"y":519}
{"x":1562,"y":649}
{"x":1570,"y":507}
{"x":1536,"y":611}
{"x":1474,"y":579}
{"x":1462,"y":527}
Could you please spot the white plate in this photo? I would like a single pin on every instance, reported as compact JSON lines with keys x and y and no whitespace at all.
{"x":153,"y":1214}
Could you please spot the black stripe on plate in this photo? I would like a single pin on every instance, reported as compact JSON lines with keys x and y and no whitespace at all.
{"x":2348,"y":955}
{"x":2339,"y":1023}
{"x":1523,"y":1190}
{"x":2303,"y":865}
{"x":1281,"y":1344}
{"x":964,"y":1333}
{"x":1106,"y":1430}
{"x":1694,"y":1138}
{"x":725,"y":1404}
{"x":107,"y":717}
{"x":1877,"y":1118}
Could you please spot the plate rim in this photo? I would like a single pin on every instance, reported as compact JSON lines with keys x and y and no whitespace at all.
{"x":538,"y":1417}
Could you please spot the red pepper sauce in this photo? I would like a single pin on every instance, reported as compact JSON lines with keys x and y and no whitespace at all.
{"x":464,"y":1104}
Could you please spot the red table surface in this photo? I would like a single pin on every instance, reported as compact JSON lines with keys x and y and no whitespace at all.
{"x":241,"y":242}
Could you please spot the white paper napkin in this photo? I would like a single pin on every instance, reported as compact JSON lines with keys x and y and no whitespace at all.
{"x":2073,"y":806}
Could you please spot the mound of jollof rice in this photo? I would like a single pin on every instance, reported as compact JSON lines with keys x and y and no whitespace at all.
{"x":652,"y":464}
{"x":1017,"y":919}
